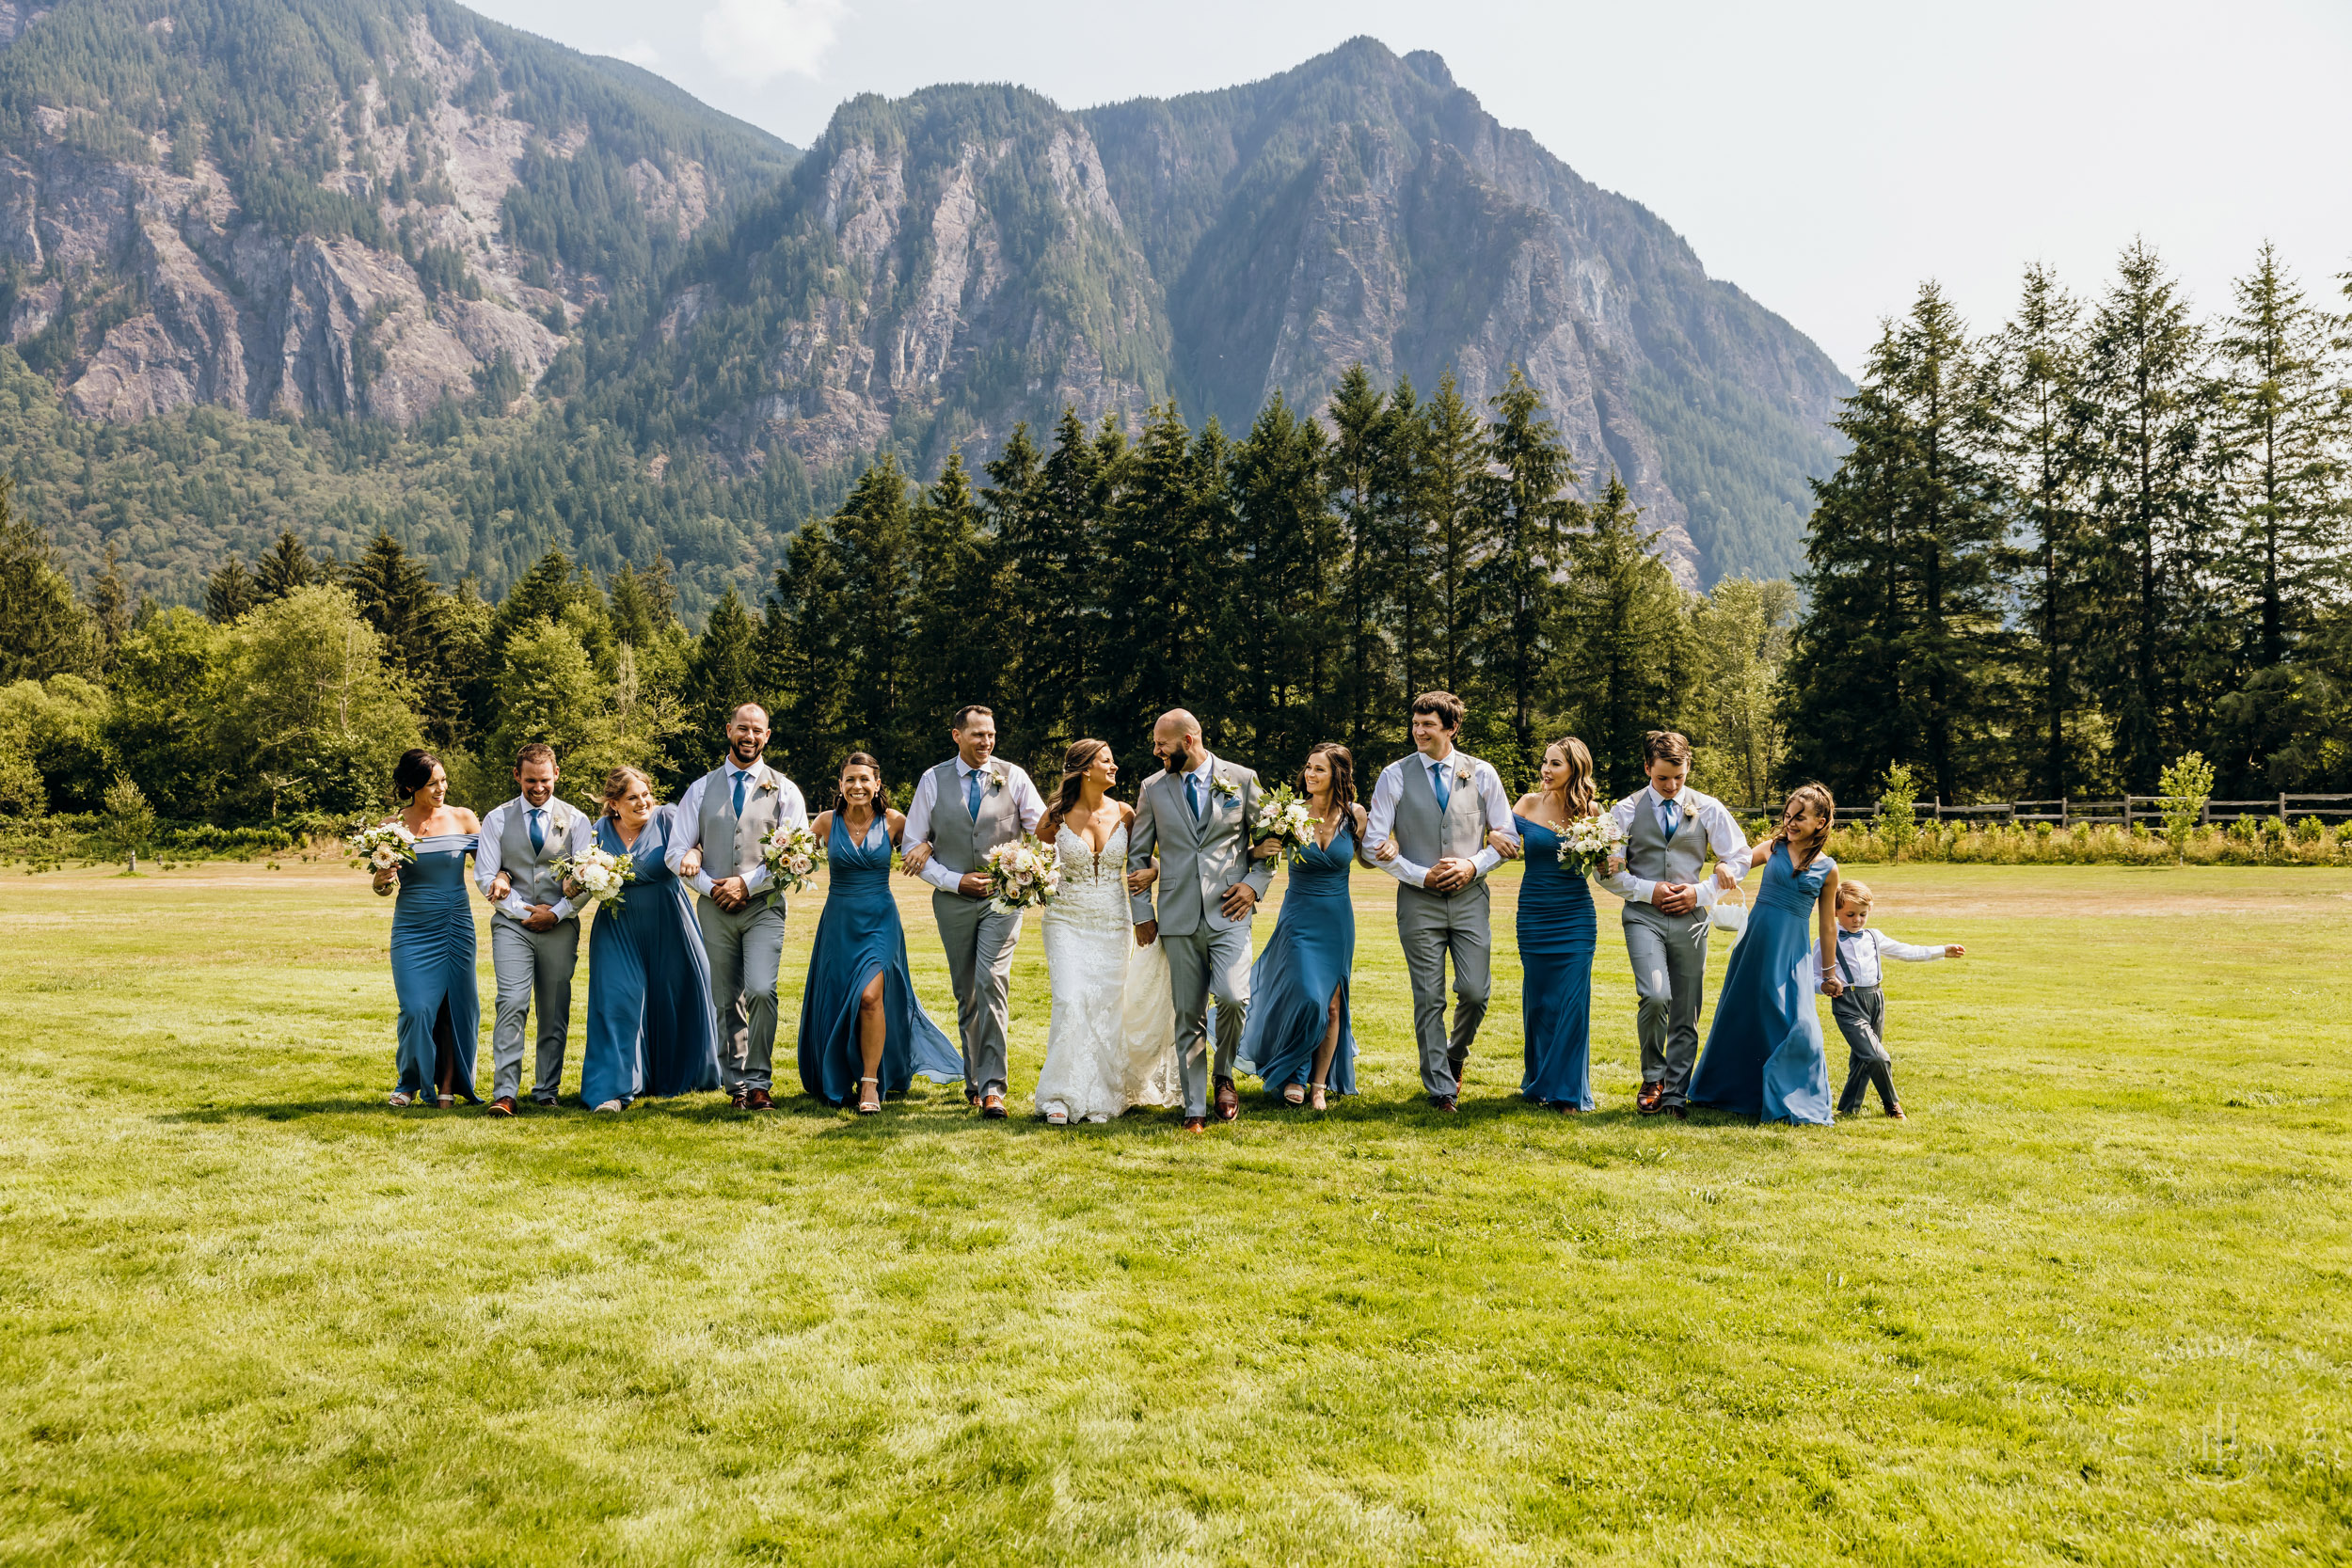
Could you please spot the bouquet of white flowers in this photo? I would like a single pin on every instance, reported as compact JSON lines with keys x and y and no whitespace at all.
{"x":791,"y":855}
{"x":1021,"y":872}
{"x":1282,"y":815}
{"x":1589,"y":843}
{"x":600,"y":874}
{"x":383,"y":848}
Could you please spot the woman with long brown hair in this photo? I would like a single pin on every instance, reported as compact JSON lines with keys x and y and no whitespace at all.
{"x":651,"y":1027}
{"x":1556,"y":934}
{"x":433,"y":940}
{"x":1297,"y":1036}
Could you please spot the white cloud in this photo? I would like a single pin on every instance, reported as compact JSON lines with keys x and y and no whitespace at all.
{"x":638,"y":52}
{"x":757,"y":41}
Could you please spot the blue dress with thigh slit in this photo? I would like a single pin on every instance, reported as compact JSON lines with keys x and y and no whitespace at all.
{"x":1764,"y":1054}
{"x":1304,"y":963}
{"x":433,"y":968}
{"x":1556,"y":935}
{"x":859,"y":935}
{"x":651,"y":1029}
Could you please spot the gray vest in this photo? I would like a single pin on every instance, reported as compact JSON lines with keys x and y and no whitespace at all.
{"x":958,"y":839}
{"x":731,"y":848}
{"x":1649,"y":855}
{"x":531,"y":872}
{"x":1427,"y":835}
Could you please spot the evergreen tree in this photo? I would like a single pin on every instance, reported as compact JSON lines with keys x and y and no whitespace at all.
{"x":643,"y":603}
{"x":399,"y":599}
{"x":2143,"y":379}
{"x":1620,"y":620}
{"x":229,"y":591}
{"x":1281,"y":591}
{"x":1013,"y":507}
{"x":1525,"y":515}
{"x":1362,"y":472}
{"x":42,"y":629}
{"x":287,"y":567}
{"x":723,"y":673}
{"x":873,"y":541}
{"x":1154,"y":584}
{"x":1453,"y":463}
{"x":1404,"y":565}
{"x":109,"y":608}
{"x":801,"y":650}
{"x":960,"y":654}
{"x":1741,"y":632}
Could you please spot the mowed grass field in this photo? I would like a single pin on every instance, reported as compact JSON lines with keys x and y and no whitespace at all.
{"x":2090,"y":1305}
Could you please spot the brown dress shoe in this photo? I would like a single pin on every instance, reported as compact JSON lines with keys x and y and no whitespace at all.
{"x":1228,"y":1100}
{"x":1682,"y":1113}
{"x":502,"y":1106}
{"x":1196,"y":1124}
{"x":992,"y":1107}
{"x":759,"y":1100}
{"x":1442,"y":1102}
{"x":1648,"y":1102}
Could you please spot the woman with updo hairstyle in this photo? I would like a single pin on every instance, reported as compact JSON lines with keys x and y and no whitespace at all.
{"x":651,"y":1029}
{"x":1556,"y":933}
{"x":433,"y":940}
{"x":1297,"y":1036}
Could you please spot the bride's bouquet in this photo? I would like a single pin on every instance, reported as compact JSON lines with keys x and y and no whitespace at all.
{"x":383,"y":848}
{"x":602,"y":875}
{"x":1590,"y":843}
{"x":791,"y":854}
{"x":1021,"y":872}
{"x":1282,"y":815}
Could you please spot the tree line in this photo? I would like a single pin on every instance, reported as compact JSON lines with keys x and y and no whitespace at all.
{"x":1297,"y":583}
{"x":2062,"y":554}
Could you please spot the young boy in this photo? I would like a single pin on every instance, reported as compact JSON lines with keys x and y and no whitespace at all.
{"x":1860,"y":1008}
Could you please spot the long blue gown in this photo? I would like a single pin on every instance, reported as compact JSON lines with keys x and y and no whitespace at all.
{"x":859,"y":934}
{"x":433,"y":967}
{"x":1764,"y":1056}
{"x":1308,"y":958}
{"x":651,"y":1029}
{"x":1556,"y":933}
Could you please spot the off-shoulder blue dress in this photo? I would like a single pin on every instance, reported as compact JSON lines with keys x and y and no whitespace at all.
{"x":433,"y":968}
{"x":651,"y":1029}
{"x":1764,"y":1054}
{"x":858,"y":935}
{"x":1556,"y":934}
{"x":1307,"y":958}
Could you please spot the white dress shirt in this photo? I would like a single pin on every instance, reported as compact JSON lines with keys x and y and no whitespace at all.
{"x":1714,"y":819}
{"x":1858,"y":954}
{"x":1025,"y":800}
{"x":488,"y":858}
{"x":791,"y":811}
{"x":1390,"y":790}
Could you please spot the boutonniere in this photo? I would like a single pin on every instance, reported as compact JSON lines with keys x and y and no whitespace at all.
{"x":767,"y":784}
{"x":995,"y":778}
{"x":1223,"y":787}
{"x":1461,"y":775}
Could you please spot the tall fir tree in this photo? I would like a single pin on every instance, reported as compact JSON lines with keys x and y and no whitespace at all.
{"x":1621,"y":626}
{"x":229,"y":591}
{"x":873,"y":539}
{"x":1526,"y":514}
{"x":1282,"y":590}
{"x":1360,"y":470}
{"x":1453,"y":452}
{"x":44,"y":629}
{"x":960,"y":652}
{"x":288,"y":566}
{"x":724,"y":672}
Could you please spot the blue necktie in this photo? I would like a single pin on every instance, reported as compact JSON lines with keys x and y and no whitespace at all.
{"x":1192,"y":795}
{"x":972,"y":793}
{"x":1437,"y":782}
{"x":739,"y":777}
{"x":538,"y":834}
{"x":1671,"y":811}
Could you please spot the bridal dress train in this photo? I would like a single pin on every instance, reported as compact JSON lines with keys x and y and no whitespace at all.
{"x":1112,"y":1043}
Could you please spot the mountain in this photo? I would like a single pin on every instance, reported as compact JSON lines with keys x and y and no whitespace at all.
{"x":944,"y":266}
{"x":340,"y":208}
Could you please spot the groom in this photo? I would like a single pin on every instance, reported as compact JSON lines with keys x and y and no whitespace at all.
{"x":1430,"y":816}
{"x":1196,"y":811}
{"x":534,"y":930}
{"x":728,"y":811}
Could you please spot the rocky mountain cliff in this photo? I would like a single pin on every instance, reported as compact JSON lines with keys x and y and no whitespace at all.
{"x":329,"y":207}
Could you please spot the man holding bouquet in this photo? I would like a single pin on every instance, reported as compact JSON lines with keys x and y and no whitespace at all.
{"x":962,"y":809}
{"x":726,"y":815}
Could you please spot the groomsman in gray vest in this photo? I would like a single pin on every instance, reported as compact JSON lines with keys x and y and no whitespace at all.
{"x":1427,"y":828}
{"x":726,"y":812}
{"x":1196,"y":812}
{"x":1670,"y":830}
{"x":962,"y":809}
{"x":535,"y":931}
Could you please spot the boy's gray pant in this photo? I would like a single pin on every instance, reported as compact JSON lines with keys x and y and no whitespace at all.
{"x":980,"y":939}
{"x":1669,"y":954}
{"x":1860,"y":1015}
{"x":531,"y":965}
{"x":1202,"y":963}
{"x":744,"y":947}
{"x":1431,"y":926}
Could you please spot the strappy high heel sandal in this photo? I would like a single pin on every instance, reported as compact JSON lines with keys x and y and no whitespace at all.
{"x":401,"y":1101}
{"x":1314,"y":1097}
{"x":867,"y":1107}
{"x":1293,"y":1095}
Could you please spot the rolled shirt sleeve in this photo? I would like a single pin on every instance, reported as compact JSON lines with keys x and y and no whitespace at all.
{"x":687,"y":833}
{"x":1380,"y":823}
{"x":918,"y":830}
{"x":1499,"y":818}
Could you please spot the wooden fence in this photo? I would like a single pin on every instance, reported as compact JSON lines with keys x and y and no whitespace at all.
{"x":2125,"y":812}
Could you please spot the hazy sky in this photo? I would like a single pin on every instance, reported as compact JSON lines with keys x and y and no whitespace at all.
{"x":1825,"y":157}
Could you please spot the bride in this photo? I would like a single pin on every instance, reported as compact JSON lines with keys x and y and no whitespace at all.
{"x":1112,"y":1043}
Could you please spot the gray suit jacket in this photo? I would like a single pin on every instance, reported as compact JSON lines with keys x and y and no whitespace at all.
{"x":1198,"y":860}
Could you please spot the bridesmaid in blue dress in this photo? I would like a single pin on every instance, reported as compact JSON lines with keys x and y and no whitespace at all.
{"x":1296,"y":1033}
{"x":651,"y":1029}
{"x":1764,"y":1056}
{"x":863,"y":1034}
{"x":433,"y":940}
{"x":1556,"y":935}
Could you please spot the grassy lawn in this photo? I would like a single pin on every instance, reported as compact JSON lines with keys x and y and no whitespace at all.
{"x":2090,"y":1305}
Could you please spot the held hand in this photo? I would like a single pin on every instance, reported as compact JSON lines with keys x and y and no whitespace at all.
{"x":1451,"y":875}
{"x":1238,"y":901}
{"x":1832,"y":985}
{"x":571,"y":889}
{"x":1503,"y":844}
{"x":1138,"y":880}
{"x":914,"y":857}
{"x":971,"y":885}
{"x":1267,"y":848}
{"x":731,"y":893}
{"x":385,"y":881}
{"x":691,"y":863}
{"x":1727,"y":877}
{"x":541,"y":918}
{"x":1147,"y":932}
{"x":1387,"y":851}
{"x":1675,"y":899}
{"x":1954,"y":951}
{"x":501,"y":885}
{"x":1617,"y":863}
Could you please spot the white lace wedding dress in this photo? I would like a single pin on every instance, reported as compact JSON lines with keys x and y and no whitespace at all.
{"x":1112,"y":1043}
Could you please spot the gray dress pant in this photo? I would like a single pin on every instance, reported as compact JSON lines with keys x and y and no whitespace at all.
{"x":980,"y":939}
{"x":744,"y":946}
{"x":1203,"y":963}
{"x":1669,"y":954}
{"x":1434,"y":927}
{"x":531,"y":965}
{"x":1860,"y":1015}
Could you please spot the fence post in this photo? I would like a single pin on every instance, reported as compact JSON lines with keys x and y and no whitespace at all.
{"x":2283,"y":808}
{"x":1939,"y":808}
{"x":2127,"y":811}
{"x":2065,"y":820}
{"x":2204,"y":814}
